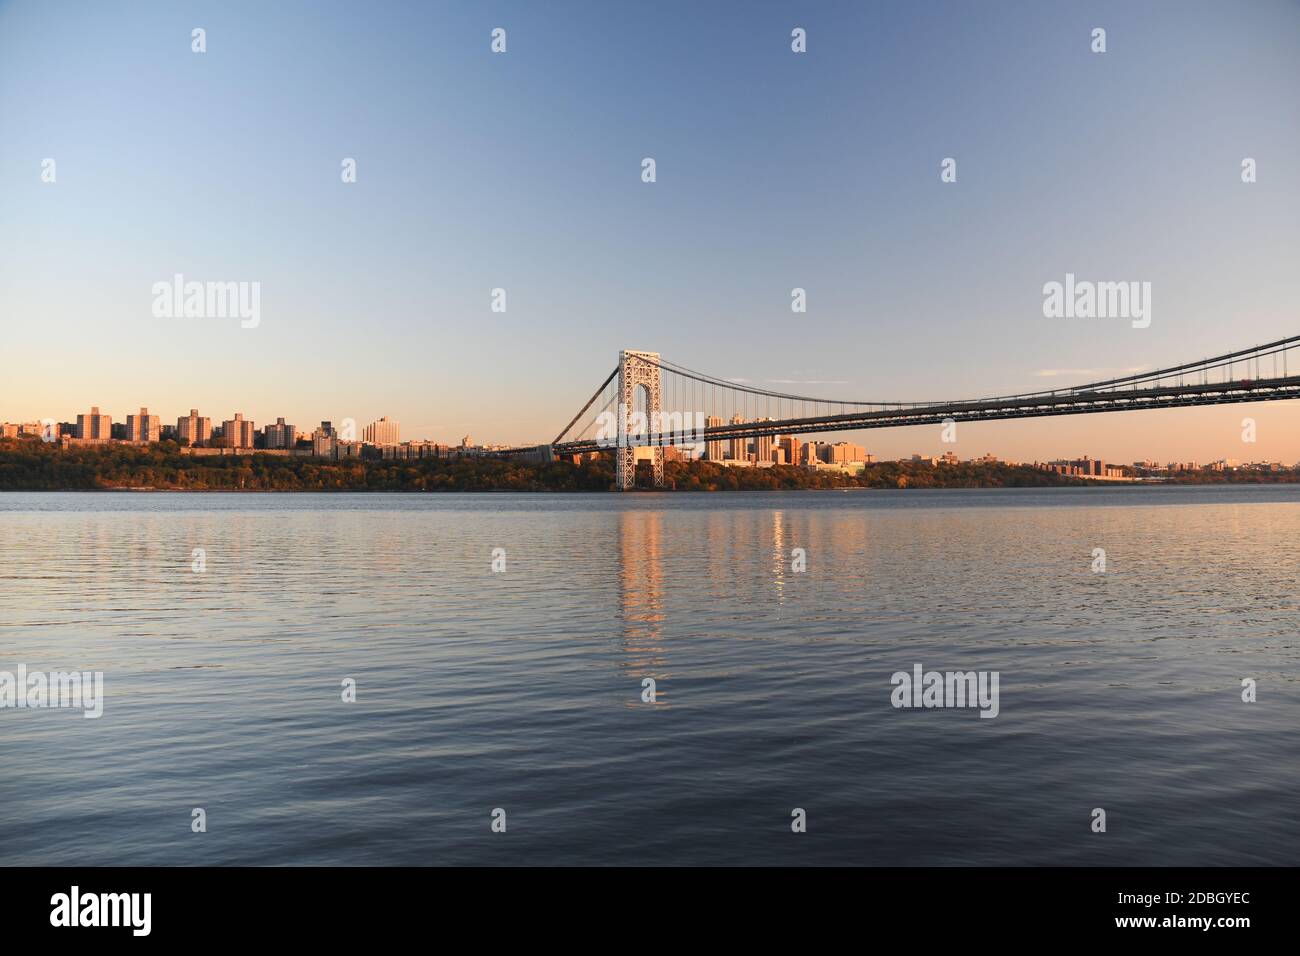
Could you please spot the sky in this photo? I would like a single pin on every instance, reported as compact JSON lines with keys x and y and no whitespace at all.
{"x":522,"y":171}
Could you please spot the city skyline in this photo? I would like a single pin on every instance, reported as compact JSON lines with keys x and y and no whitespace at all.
{"x":195,"y":429}
{"x":521,"y":172}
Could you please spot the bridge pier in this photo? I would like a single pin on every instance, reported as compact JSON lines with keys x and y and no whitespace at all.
{"x":637,"y":370}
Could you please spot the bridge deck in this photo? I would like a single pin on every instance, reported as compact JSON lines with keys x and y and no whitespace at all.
{"x":1036,"y":406}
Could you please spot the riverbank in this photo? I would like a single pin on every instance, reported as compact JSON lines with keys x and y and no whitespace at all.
{"x":27,"y":465}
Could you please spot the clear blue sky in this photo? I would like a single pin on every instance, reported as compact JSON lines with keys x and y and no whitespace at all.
{"x":522,"y":171}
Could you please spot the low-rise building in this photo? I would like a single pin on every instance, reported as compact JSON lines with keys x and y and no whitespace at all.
{"x":23,"y":430}
{"x":840,"y":467}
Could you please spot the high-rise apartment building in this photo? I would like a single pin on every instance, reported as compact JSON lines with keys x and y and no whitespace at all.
{"x":322,"y":441}
{"x":194,"y":429}
{"x":713,"y":448}
{"x":279,"y":435}
{"x":95,"y":425}
{"x":739,"y":446}
{"x":763,"y":446}
{"x":790,"y":449}
{"x":237,"y":432}
{"x":382,"y":432}
{"x":143,"y":427}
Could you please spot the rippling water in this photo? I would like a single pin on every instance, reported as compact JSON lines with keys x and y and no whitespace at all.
{"x":522,"y":690}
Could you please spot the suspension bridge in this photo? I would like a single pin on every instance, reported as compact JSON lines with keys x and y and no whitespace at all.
{"x":650,"y":402}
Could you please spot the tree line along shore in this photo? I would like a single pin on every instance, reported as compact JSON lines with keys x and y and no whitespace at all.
{"x":33,"y":465}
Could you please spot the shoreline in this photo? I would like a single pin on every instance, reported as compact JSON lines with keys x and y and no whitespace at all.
{"x":642,"y":491}
{"x":34,"y":466}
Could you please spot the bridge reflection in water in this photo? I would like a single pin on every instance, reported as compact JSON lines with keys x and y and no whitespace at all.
{"x":746,"y":558}
{"x":641,"y":592}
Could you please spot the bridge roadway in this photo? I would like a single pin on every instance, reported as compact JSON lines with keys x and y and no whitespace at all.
{"x":1032,"y":406}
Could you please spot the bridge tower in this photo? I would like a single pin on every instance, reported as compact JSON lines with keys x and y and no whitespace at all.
{"x":637,"y":370}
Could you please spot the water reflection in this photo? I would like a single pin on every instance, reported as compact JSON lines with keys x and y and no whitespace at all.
{"x":641,"y":593}
{"x":523,"y":688}
{"x":778,"y":556}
